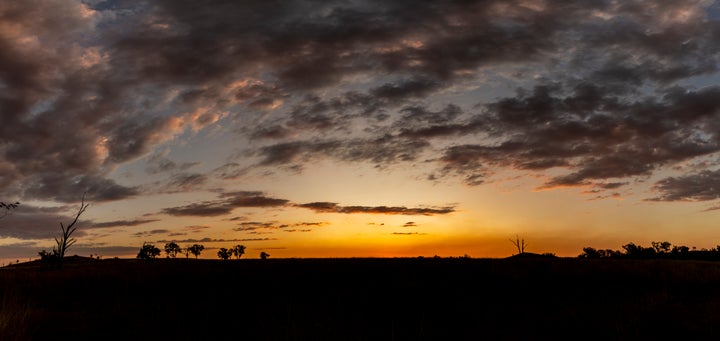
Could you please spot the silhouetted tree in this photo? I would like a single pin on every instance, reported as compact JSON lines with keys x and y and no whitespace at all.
{"x":661,"y":247}
{"x":196,"y":249}
{"x":65,"y":241}
{"x":224,"y":253}
{"x":637,"y":251}
{"x":6,"y":208}
{"x":519,"y":244}
{"x":681,"y":249}
{"x":589,"y":252}
{"x":148,"y":251}
{"x":172,"y":249}
{"x":264,"y":255}
{"x":238,"y":251}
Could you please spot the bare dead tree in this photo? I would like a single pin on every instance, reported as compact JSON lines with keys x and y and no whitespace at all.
{"x":519,"y":244}
{"x":66,"y":241}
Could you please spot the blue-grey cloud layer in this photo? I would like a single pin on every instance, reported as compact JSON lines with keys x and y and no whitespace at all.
{"x":606,"y":91}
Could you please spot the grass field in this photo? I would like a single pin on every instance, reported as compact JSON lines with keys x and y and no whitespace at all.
{"x":361,"y":299}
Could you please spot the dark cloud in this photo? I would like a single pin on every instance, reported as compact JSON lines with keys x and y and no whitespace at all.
{"x":203,"y":209}
{"x":240,"y":218}
{"x":123,"y":223}
{"x":31,"y":222}
{"x":226,"y":204}
{"x":312,"y":224}
{"x":150,"y":233}
{"x":410,"y":224}
{"x":61,"y":187}
{"x":230,"y":171}
{"x":196,"y":228}
{"x":329,"y":207}
{"x":87,"y":88}
{"x":599,"y":139}
{"x":703,"y":186}
{"x":160,"y":163}
{"x":252,"y":199}
{"x":409,"y":233}
{"x":187,"y":182}
{"x":417,"y":87}
{"x":256,"y":225}
{"x":213,"y":240}
{"x":382,"y":151}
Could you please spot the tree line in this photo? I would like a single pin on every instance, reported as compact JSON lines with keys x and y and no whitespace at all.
{"x":664,"y":250}
{"x":172,"y":249}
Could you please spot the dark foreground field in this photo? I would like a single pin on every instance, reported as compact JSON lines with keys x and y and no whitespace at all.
{"x":362,"y":299}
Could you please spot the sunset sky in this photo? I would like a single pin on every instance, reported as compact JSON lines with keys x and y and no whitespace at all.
{"x":360,"y":128}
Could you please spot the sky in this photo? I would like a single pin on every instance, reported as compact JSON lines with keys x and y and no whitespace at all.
{"x":359,"y":128}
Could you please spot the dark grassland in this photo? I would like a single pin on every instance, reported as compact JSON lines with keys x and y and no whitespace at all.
{"x":361,"y":299}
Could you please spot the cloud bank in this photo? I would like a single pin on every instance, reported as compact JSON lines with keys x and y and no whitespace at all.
{"x":605,"y":92}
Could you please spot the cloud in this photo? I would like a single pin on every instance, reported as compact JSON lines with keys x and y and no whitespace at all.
{"x":329,"y":207}
{"x":253,"y":226}
{"x":231,"y":200}
{"x":159,"y":162}
{"x":381,"y":150}
{"x":225,"y":205}
{"x":239,"y":218}
{"x":32,"y":222}
{"x":312,"y":224}
{"x":608,"y":138}
{"x":703,"y":186}
{"x":123,"y":223}
{"x":408,"y":233}
{"x":196,"y":228}
{"x":603,"y":92}
{"x":213,"y":240}
{"x":187,"y":182}
{"x":410,"y":224}
{"x":58,"y":186}
{"x":150,"y":233}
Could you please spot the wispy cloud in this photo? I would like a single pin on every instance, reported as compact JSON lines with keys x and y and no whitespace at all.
{"x":123,"y":223}
{"x":213,"y":240}
{"x":329,"y":207}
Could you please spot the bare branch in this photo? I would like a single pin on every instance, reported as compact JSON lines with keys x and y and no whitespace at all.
{"x":66,"y":240}
{"x":519,"y":244}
